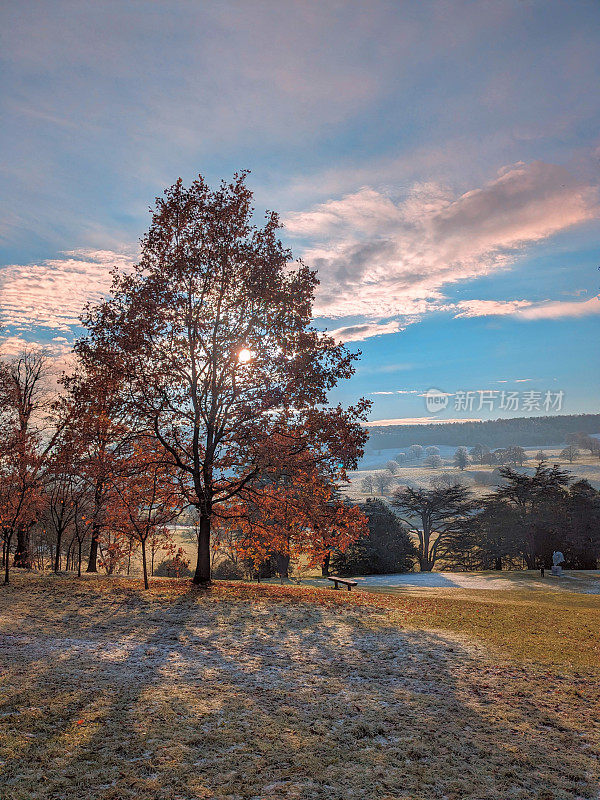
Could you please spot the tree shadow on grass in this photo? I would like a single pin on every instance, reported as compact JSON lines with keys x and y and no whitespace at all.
{"x":189,"y":698}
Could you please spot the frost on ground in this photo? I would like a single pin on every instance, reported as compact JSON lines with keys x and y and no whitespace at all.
{"x":586,"y":581}
{"x":117,"y":695}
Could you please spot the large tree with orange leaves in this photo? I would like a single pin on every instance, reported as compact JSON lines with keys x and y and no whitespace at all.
{"x":296,"y":512}
{"x":212,"y":341}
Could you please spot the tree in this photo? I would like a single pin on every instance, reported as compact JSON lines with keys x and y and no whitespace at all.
{"x":445,"y":480}
{"x":586,"y":442}
{"x":570,"y":453}
{"x":477,"y":453}
{"x":581,"y":533}
{"x":367,"y":484}
{"x":533,"y":501}
{"x":382,"y":481}
{"x":434,"y":462}
{"x":29,"y":436}
{"x":527,"y":518}
{"x":61,"y":488}
{"x":392,"y":467}
{"x":540,"y":455}
{"x":384,"y":548}
{"x":432,"y":451}
{"x":461,"y":458}
{"x":145,"y":496}
{"x":210,"y":339}
{"x":305,"y":516}
{"x":81,"y":521}
{"x":97,"y":429}
{"x":415,"y":451}
{"x":515,"y":456}
{"x":401,"y":458}
{"x":432,"y":515}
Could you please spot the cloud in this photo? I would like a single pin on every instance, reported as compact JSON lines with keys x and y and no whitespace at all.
{"x":525,"y":309}
{"x":52,"y":293}
{"x":558,"y":309}
{"x":415,"y":421}
{"x":381,"y":258}
{"x":488,"y":308}
{"x":358,"y":333}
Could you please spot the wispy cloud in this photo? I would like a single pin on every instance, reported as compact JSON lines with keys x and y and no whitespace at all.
{"x":382,"y":259}
{"x":557,"y":309}
{"x":525,"y":309}
{"x":489,"y":308}
{"x":358,"y":333}
{"x":51,"y":294}
{"x":415,"y":421}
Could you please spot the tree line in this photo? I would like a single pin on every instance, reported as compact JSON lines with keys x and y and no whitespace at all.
{"x":499,"y":433}
{"x":518,"y":524}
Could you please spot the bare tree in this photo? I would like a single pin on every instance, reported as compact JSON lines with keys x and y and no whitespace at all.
{"x":29,"y":435}
{"x":570,"y":453}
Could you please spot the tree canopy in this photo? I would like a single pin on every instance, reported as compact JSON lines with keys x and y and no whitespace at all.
{"x":211,"y":342}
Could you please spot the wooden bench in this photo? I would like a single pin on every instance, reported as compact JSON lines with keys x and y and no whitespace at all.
{"x":346,"y":581}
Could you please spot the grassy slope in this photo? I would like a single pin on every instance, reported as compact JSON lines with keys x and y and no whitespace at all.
{"x":264,"y":691}
{"x":417,"y":474}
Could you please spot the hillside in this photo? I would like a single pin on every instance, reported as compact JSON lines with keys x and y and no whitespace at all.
{"x":524,"y":431}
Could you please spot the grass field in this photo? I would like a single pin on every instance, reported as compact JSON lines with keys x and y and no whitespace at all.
{"x":250,"y":692}
{"x":417,"y":474}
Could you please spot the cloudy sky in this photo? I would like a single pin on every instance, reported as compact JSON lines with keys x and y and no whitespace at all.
{"x":438,"y":162}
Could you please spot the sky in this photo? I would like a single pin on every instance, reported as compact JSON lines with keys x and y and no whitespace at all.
{"x":437,"y":162}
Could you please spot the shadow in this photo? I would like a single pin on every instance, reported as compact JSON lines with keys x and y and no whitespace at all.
{"x":200,"y":696}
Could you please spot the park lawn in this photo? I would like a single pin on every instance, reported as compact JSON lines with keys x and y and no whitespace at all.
{"x":245,"y":691}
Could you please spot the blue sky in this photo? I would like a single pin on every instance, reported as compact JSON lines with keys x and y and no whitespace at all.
{"x":438,"y":162}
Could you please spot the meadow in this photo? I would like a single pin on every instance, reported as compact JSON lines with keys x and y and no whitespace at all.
{"x":416,"y":473}
{"x":246,"y":691}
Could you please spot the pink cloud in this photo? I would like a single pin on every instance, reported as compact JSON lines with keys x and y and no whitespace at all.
{"x":525,"y":309}
{"x":52,"y":294}
{"x":557,"y":309}
{"x":489,"y":308}
{"x":380,"y":258}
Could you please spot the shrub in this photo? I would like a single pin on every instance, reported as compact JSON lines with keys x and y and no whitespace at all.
{"x":228,"y":570}
{"x":387,"y":548}
{"x":178,"y":567}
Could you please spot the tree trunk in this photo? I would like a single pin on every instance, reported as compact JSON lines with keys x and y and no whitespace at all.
{"x":202,"y":574}
{"x":7,"y":559}
{"x":325,"y":565}
{"x":79,"y":558}
{"x":283,"y":565}
{"x":22,"y":554}
{"x":93,"y":558}
{"x":144,"y":565}
{"x":425,"y":560}
{"x":57,"y":556}
{"x":498,"y":562}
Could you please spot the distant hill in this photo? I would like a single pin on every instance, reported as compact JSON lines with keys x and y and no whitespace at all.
{"x":523,"y":431}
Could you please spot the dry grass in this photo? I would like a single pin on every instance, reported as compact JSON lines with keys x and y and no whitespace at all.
{"x":258,"y":692}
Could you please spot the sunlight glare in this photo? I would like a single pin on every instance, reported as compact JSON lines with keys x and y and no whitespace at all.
{"x":246,"y":356}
